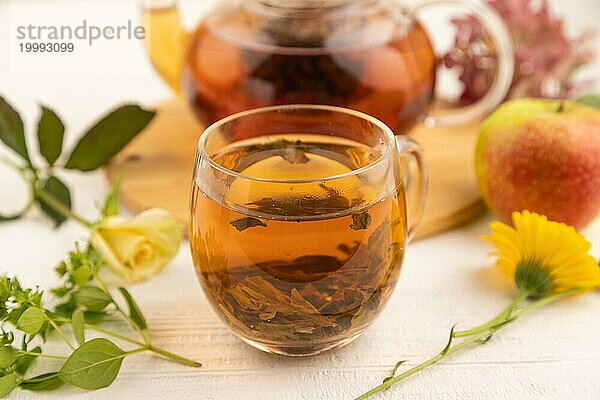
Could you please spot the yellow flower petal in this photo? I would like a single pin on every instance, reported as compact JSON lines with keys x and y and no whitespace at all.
{"x":547,"y":249}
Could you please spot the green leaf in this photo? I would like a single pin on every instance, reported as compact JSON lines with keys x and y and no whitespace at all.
{"x":60,"y":192}
{"x":31,"y":320}
{"x":77,"y":323}
{"x":11,"y":130}
{"x":8,"y":356}
{"x":66,"y":308}
{"x":94,"y":365}
{"x":134,"y":310}
{"x":591,"y":100}
{"x":94,"y":318}
{"x":41,"y":383}
{"x":15,"y":314}
{"x":61,"y":268}
{"x":25,"y":361}
{"x":8,"y":383}
{"x":94,"y":259}
{"x":108,"y":137}
{"x":449,"y":344}
{"x":81,"y":275}
{"x":50,"y":135}
{"x":396,"y":368}
{"x":92,"y":298}
{"x":111,"y":205}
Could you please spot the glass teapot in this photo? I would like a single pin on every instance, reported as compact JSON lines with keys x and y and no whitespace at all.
{"x":369,"y":55}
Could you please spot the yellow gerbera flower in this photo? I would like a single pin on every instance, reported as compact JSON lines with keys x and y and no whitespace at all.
{"x":543,"y":256}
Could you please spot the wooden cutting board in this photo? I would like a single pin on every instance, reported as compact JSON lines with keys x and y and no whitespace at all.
{"x":161,"y":159}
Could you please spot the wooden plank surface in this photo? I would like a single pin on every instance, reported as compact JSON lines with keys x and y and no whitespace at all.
{"x":552,"y":354}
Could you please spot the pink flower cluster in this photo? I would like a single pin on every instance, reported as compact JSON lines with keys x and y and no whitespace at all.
{"x":546,"y":58}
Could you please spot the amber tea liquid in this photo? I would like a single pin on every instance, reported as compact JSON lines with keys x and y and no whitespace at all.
{"x":309,"y":268}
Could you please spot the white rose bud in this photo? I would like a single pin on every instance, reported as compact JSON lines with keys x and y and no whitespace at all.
{"x":138,"y":248}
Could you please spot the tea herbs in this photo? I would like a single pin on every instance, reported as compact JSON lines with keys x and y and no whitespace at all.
{"x":83,"y":302}
{"x":152,"y":238}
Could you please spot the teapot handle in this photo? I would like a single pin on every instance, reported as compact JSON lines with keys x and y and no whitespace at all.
{"x":502,"y":43}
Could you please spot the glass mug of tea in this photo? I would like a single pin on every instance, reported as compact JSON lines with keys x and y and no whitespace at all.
{"x":298,"y":229}
{"x":369,"y":55}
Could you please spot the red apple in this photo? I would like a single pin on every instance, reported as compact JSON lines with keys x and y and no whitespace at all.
{"x":543,"y":156}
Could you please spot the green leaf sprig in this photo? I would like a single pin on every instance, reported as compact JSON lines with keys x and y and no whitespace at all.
{"x":95,"y":149}
{"x":83,"y":301}
{"x":459,"y":340}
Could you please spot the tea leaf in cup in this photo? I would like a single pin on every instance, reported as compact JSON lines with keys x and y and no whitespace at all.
{"x":360,"y":221}
{"x":293,"y":152}
{"x":245,"y":223}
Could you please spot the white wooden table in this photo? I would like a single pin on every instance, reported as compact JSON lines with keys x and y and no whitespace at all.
{"x":552,"y":354}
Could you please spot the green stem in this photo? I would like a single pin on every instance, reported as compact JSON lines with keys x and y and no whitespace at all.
{"x":106,"y":332}
{"x":479,"y":336}
{"x":174,"y":357}
{"x":547,"y":300}
{"x":501,"y":318}
{"x":113,"y":334}
{"x":59,"y":206}
{"x":145,"y":346}
{"x":13,"y":165}
{"x":61,"y":333}
{"x":384,"y":386}
{"x":135,"y":351}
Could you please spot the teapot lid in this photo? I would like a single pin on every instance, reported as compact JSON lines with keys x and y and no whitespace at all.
{"x":297,"y":26}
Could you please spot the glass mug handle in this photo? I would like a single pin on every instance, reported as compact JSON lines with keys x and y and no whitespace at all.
{"x":502,"y":43}
{"x":415,"y":183}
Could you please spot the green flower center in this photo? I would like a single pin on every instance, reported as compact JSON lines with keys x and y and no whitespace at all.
{"x":530,"y":276}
